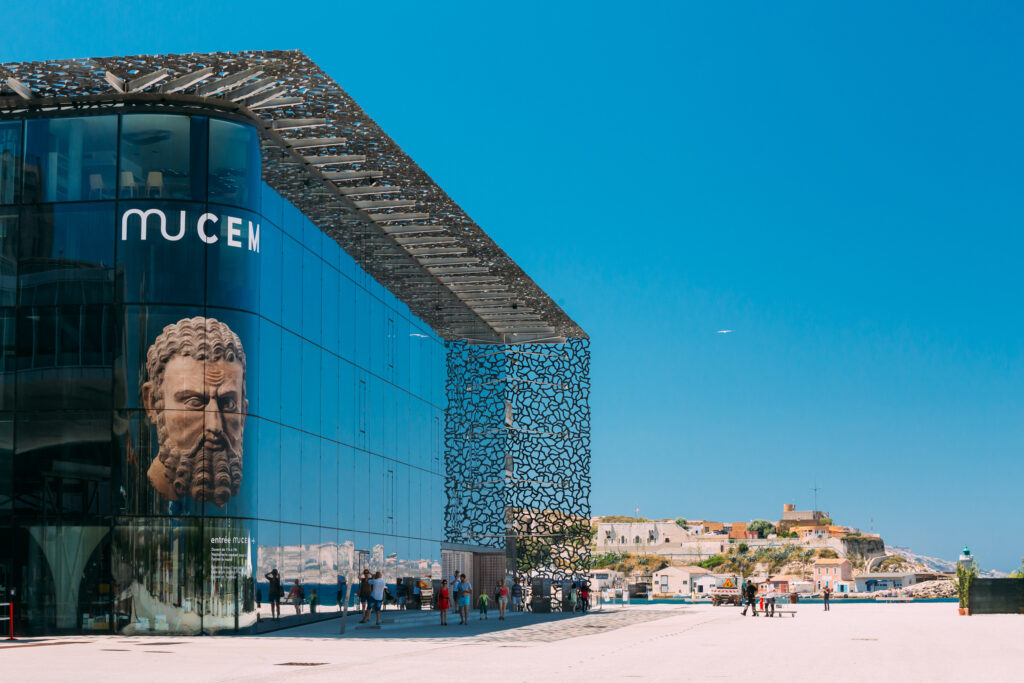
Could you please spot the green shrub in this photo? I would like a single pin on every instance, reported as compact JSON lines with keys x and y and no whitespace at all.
{"x":712,"y":562}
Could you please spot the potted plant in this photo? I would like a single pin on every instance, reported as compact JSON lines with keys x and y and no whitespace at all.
{"x":965,"y":574}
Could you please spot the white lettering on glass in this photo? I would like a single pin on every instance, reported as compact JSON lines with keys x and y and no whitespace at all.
{"x":181,"y":230}
{"x":201,"y":228}
{"x":143,"y":218}
{"x":234,"y":231}
{"x":254,"y":238}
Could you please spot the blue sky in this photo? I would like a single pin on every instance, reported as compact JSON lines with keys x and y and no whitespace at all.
{"x":839,"y":185}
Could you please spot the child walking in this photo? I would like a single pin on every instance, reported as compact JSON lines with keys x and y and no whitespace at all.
{"x":484,"y":598}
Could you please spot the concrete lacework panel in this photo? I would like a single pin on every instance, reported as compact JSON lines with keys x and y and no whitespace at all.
{"x":517,"y":440}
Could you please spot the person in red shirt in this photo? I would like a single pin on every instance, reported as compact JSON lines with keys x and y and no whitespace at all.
{"x":444,"y":602}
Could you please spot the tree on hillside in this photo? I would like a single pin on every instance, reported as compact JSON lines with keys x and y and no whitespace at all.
{"x":743,"y":547}
{"x":681,"y":521}
{"x":762,"y":526}
{"x":827,"y":554}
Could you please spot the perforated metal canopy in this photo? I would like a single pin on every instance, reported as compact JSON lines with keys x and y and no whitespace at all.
{"x":325,"y":155}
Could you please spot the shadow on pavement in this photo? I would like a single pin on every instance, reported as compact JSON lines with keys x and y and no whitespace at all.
{"x":423,"y":625}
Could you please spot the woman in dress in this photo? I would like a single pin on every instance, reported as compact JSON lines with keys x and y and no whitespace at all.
{"x":443,"y":602}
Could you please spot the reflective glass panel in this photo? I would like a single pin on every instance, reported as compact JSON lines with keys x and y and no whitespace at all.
{"x":66,"y":254}
{"x":70,"y":159}
{"x":234,"y":164}
{"x":163,"y":156}
{"x":8,"y":255}
{"x":10,"y":161}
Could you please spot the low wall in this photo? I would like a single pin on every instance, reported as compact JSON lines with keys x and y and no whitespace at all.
{"x":997,"y":596}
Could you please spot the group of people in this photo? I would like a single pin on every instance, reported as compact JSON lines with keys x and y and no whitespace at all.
{"x":748,"y":594}
{"x":296,"y":595}
{"x":579,"y":596}
{"x":459,"y":592}
{"x":371,"y":595}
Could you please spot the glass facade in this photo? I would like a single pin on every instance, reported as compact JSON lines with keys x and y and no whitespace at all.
{"x":197,"y":386}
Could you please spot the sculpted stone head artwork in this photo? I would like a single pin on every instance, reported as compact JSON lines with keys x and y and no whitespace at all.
{"x":195,"y":395}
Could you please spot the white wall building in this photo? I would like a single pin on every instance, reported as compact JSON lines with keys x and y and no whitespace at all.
{"x":676,"y":580}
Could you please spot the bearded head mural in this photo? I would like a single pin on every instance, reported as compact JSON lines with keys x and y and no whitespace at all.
{"x":195,"y":395}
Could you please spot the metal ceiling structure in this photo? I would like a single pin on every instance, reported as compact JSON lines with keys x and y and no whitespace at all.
{"x":325,"y":155}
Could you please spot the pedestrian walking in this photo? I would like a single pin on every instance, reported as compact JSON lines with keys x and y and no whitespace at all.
{"x":259,"y":598}
{"x":295,"y":596}
{"x":314,"y":601}
{"x":456,"y":588}
{"x":482,"y":604}
{"x":769,"y":603}
{"x":750,"y":592}
{"x":443,"y":601}
{"x":465,"y":595}
{"x":364,"y":596}
{"x":502,"y":600}
{"x":401,"y":595}
{"x":574,"y":598}
{"x":585,"y":596}
{"x":517,"y":597}
{"x":826,"y":594}
{"x":274,"y":593}
{"x":377,"y":588}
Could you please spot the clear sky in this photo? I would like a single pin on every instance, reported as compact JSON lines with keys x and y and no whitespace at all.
{"x":839,"y":185}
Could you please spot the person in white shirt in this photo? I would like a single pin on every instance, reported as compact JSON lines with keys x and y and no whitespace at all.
{"x":377,"y":587}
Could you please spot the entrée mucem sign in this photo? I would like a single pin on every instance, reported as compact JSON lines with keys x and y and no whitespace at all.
{"x":205,"y":227}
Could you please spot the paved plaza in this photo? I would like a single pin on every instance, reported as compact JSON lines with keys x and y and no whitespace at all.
{"x":854,"y":642}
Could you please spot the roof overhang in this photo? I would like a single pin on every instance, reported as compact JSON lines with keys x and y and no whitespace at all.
{"x":325,"y":155}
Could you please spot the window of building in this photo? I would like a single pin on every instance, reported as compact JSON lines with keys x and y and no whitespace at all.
{"x":234,"y":164}
{"x":10,"y":161}
{"x":70,"y":159}
{"x":163,"y":156}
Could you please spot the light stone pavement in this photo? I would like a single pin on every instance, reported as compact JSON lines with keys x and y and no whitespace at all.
{"x":853,"y":642}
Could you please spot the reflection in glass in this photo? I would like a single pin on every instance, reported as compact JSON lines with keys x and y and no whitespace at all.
{"x":233,"y":265}
{"x":66,"y":254}
{"x":159,"y":568}
{"x":70,"y":159}
{"x":8,"y":255}
{"x":156,"y":269}
{"x":10,"y":161}
{"x":163,"y":156}
{"x":64,"y":356}
{"x":234,"y":164}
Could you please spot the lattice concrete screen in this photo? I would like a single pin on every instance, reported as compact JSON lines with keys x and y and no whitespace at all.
{"x":517,"y":441}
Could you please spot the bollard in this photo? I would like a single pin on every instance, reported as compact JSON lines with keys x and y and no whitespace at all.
{"x":344,"y":610}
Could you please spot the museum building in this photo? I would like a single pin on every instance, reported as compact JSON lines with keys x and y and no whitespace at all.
{"x":243,"y":332}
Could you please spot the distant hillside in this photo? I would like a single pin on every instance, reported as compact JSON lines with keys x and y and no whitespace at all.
{"x":937,"y":564}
